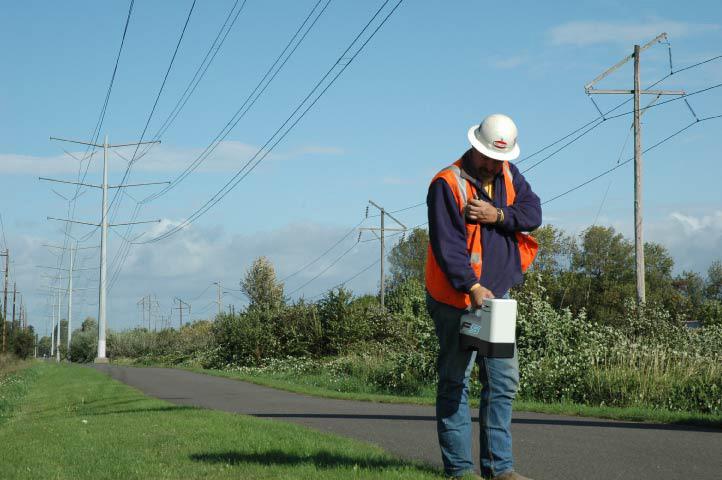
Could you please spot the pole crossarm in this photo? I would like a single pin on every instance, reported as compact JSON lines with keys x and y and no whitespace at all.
{"x":74,"y":221}
{"x":101,"y":145}
{"x":69,"y":183}
{"x":631,"y":92}
{"x":119,"y":145}
{"x":372,"y":229}
{"x":67,"y":248}
{"x":389,"y":215}
{"x":132,"y":223}
{"x":657,"y":39}
{"x":65,"y":269}
{"x":58,"y":139}
{"x":138,"y":185}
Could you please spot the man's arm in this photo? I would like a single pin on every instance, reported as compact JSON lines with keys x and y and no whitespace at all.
{"x":447,"y":235}
{"x":525,"y":214}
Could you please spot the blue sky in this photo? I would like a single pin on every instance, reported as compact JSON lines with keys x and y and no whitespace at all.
{"x":398,"y":113}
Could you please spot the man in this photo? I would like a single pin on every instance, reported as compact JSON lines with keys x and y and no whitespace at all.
{"x":479,"y":209}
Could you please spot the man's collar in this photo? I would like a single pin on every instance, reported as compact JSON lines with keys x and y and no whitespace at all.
{"x":469,"y":172}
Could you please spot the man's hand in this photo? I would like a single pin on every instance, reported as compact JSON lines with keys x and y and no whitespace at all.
{"x":479,"y":211}
{"x":478,"y":294}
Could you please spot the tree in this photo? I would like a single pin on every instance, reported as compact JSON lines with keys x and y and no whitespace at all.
{"x":555,"y":250}
{"x":714,"y":280}
{"x":658,"y":265}
{"x":89,"y":324}
{"x":407,"y":258}
{"x":63,"y":332}
{"x":261,"y":287}
{"x":44,"y":347}
{"x":603,"y":274}
{"x":23,"y":343}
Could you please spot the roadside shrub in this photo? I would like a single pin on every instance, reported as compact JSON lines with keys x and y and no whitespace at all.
{"x":23,"y":343}
{"x":244,"y":339}
{"x":84,"y":346}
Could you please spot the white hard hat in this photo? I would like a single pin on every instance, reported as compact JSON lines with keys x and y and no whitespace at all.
{"x":495,"y":137}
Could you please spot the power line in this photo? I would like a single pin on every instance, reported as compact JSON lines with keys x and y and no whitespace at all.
{"x":125,"y":249}
{"x":338,"y":259}
{"x":594,"y":124}
{"x":606,"y":172}
{"x":604,"y":115}
{"x":202,"y":293}
{"x":198,"y":75}
{"x":353,"y":229}
{"x":248,"y":103}
{"x":264,"y":151}
{"x":359,"y":273}
{"x":133,"y":158}
{"x":94,"y":136}
{"x":157,"y":98}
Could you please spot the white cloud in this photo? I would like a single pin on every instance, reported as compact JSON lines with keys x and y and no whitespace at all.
{"x":185,"y":264}
{"x":693,"y":241}
{"x":584,"y":33}
{"x":227,"y":157}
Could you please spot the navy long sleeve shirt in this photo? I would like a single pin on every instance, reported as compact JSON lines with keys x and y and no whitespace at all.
{"x":501,"y":263}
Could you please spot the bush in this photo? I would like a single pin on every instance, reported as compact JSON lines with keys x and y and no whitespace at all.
{"x":23,"y":343}
{"x":84,"y":346}
{"x":651,"y":360}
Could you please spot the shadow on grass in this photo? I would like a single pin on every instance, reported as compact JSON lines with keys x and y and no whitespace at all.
{"x":320,"y":459}
{"x":171,"y":408}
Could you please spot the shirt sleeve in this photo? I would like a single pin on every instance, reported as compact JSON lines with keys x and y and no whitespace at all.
{"x":447,"y":235}
{"x":525,"y":214}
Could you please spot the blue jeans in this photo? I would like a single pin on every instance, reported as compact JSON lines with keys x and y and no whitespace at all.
{"x":499,"y":378}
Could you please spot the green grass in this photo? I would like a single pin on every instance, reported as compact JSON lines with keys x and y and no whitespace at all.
{"x":76,"y":423}
{"x":352,"y":389}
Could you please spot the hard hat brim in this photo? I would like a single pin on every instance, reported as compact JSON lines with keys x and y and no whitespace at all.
{"x":512,"y":154}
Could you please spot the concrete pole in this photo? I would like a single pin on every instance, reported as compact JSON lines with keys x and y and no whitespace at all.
{"x":638,"y":237}
{"x":15,"y":292}
{"x":219,"y":297}
{"x":103,"y":250}
{"x":5,"y":300}
{"x":383,"y":250}
{"x":52,"y":329}
{"x":57,"y":334}
{"x":70,"y":299}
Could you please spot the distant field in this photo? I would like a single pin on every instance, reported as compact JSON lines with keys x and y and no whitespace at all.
{"x":72,"y":422}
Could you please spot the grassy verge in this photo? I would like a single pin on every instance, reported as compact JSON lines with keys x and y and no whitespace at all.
{"x":351,"y":389}
{"x":13,"y":384}
{"x":76,"y":423}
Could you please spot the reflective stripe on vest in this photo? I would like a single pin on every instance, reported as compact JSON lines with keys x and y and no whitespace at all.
{"x":437,"y":284}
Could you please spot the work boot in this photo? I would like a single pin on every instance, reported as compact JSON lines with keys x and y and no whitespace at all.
{"x":510,"y":476}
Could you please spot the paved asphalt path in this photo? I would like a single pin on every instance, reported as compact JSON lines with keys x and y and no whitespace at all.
{"x":546,"y":447}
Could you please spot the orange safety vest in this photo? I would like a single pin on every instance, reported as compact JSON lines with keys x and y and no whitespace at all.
{"x":437,"y":284}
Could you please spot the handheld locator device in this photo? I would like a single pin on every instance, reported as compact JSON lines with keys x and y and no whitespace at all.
{"x":491,"y":329}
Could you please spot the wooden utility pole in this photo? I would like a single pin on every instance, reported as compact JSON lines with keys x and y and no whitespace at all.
{"x":638,"y":232}
{"x":220,"y":305}
{"x":15,"y":292}
{"x":636,"y":92}
{"x":380,"y":236}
